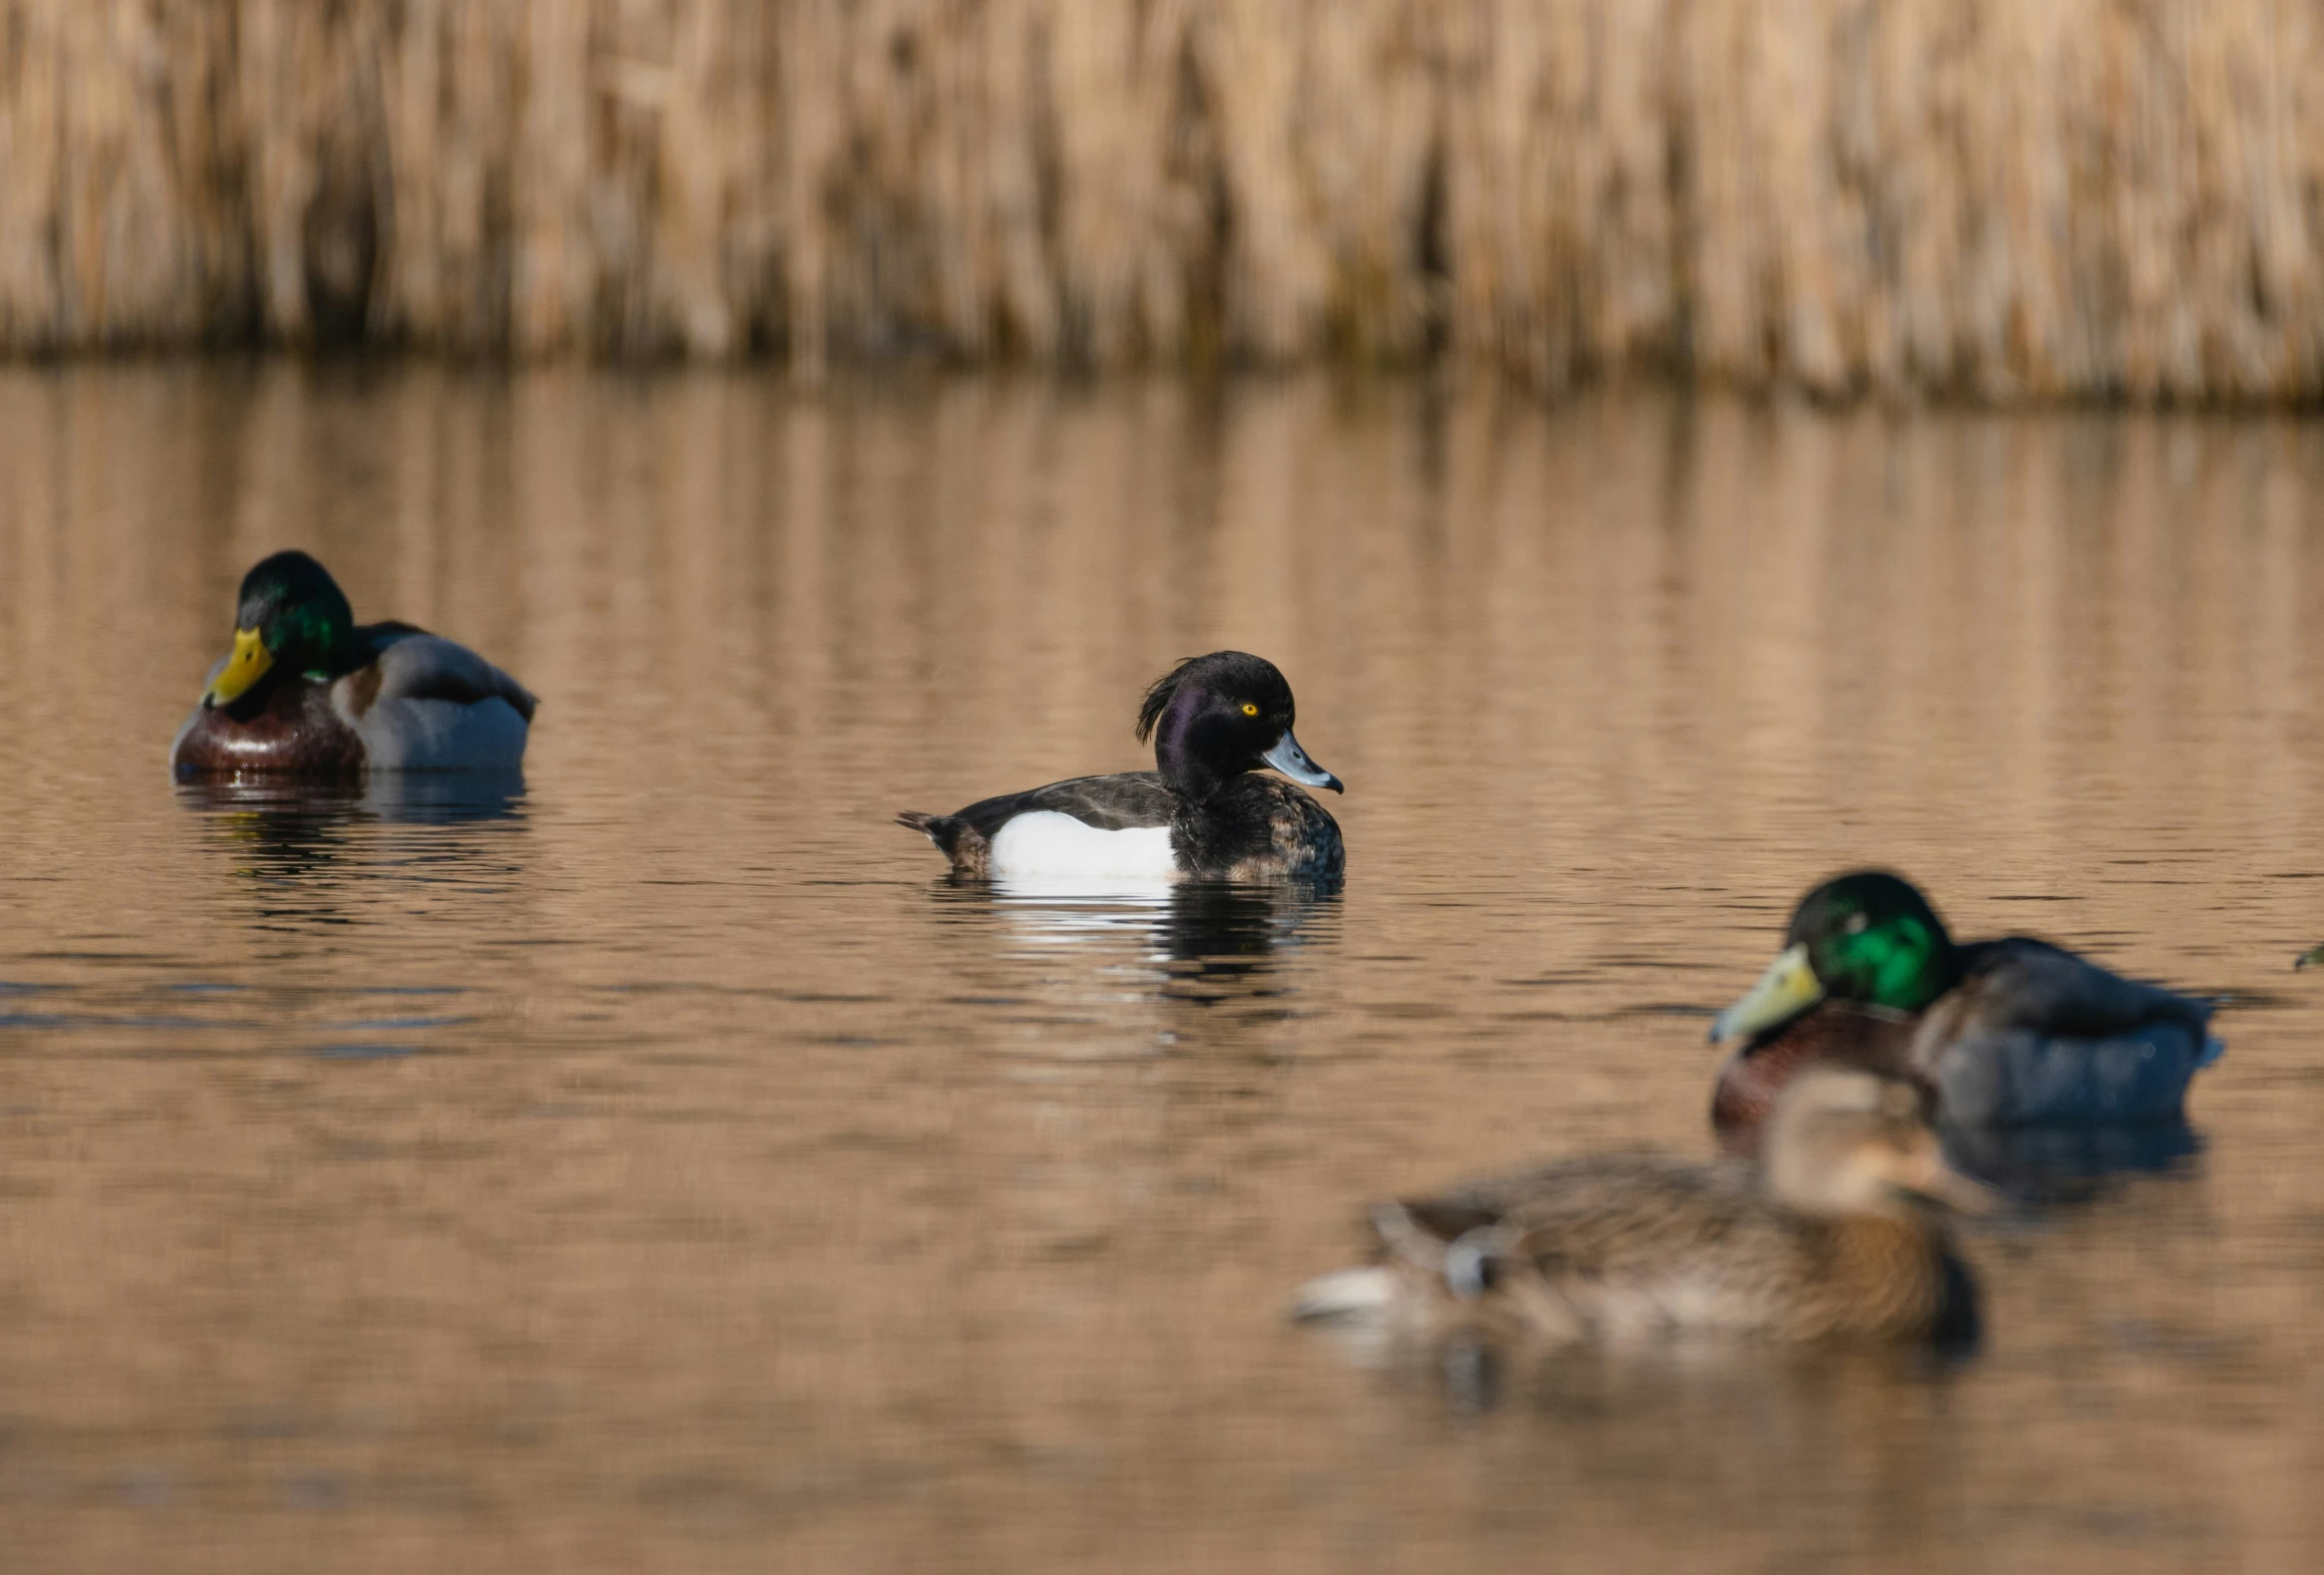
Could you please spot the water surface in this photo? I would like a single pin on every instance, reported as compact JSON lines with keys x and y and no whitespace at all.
{"x":654,"y":1165}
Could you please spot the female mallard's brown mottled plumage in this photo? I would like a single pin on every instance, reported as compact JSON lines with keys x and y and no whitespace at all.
{"x":1829,"y":1236}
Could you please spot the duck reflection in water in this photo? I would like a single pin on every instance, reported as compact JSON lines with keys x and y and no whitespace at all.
{"x":404,"y":797}
{"x":306,"y":842}
{"x":1207,"y":941}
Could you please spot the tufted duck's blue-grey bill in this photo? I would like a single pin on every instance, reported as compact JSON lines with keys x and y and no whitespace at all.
{"x":1287,"y":757}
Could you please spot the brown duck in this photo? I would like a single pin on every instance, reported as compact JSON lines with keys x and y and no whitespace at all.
{"x":1833,"y":1234}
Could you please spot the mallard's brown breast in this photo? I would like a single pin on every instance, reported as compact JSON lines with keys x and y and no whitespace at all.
{"x":1833,"y":1032}
{"x":291,"y":731}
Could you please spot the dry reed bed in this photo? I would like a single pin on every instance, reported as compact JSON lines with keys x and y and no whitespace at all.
{"x":1998,"y":196}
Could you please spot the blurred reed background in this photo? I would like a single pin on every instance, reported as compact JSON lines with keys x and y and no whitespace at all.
{"x":1998,"y":197}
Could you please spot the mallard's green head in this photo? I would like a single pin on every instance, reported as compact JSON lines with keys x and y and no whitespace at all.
{"x":1867,"y":937}
{"x":291,"y":615}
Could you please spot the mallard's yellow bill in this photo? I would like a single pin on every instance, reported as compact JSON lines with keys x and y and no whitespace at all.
{"x":1788,"y":988}
{"x":245,"y":667}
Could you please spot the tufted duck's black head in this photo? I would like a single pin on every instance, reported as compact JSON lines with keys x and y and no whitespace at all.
{"x":1214,"y":717}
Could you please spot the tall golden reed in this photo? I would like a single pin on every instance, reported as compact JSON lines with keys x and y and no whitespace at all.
{"x":2004,"y":197}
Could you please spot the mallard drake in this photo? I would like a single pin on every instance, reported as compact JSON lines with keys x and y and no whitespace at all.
{"x":1831,"y":1235}
{"x":2006,"y":1032}
{"x":1215,"y":719}
{"x":306,"y":691}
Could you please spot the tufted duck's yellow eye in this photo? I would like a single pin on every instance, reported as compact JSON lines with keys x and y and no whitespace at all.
{"x":1248,"y":709}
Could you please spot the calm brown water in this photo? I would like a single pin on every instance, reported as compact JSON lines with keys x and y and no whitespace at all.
{"x":658,"y":1167}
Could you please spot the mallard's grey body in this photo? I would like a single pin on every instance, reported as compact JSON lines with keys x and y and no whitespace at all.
{"x":2034,"y":1036}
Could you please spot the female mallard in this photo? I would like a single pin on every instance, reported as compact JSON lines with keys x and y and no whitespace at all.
{"x":307,"y":693}
{"x":1214,"y":720}
{"x":2004,"y":1033}
{"x":1829,"y":1236}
